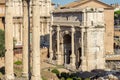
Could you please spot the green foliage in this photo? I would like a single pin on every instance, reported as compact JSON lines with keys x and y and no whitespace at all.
{"x":65,"y":75}
{"x":43,"y":78}
{"x":117,"y":12}
{"x":79,"y":79}
{"x":55,"y":71}
{"x":87,"y":79}
{"x":2,"y":43}
{"x":62,"y":78}
{"x":18,"y":62}
{"x":69,"y":79}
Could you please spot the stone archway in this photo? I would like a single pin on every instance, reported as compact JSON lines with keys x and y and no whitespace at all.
{"x":67,"y":48}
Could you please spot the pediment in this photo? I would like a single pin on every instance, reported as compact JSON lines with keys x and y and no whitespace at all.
{"x":87,"y":3}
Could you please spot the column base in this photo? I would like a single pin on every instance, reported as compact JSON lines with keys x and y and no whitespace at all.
{"x":36,"y":77}
{"x":51,"y":54}
{"x":72,"y":62}
{"x":59,"y":59}
{"x":25,"y":75}
{"x":9,"y":77}
{"x":83,"y":66}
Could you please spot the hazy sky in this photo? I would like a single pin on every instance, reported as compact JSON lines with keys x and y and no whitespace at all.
{"x":62,"y":2}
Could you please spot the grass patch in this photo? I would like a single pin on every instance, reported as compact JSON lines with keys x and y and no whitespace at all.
{"x":18,"y":62}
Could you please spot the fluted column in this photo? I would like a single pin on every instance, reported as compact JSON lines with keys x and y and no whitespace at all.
{"x":83,"y":66}
{"x":36,"y":41}
{"x":58,"y":46}
{"x":25,"y":39}
{"x":50,"y":49}
{"x":9,"y":73}
{"x":73,"y":60}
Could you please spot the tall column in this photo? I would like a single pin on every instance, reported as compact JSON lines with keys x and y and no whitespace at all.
{"x":84,"y":18}
{"x":72,"y":46}
{"x":50,"y":49}
{"x":9,"y":73}
{"x":25,"y":39}
{"x":83,"y":66}
{"x":36,"y":41}
{"x":42,"y":28}
{"x":58,"y":46}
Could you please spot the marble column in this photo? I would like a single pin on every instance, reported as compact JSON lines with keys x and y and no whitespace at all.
{"x":73,"y":58}
{"x":50,"y":49}
{"x":42,"y":28}
{"x":9,"y":72}
{"x":58,"y":46}
{"x":36,"y":41}
{"x":83,"y":66}
{"x":25,"y":40}
{"x":84,"y":17}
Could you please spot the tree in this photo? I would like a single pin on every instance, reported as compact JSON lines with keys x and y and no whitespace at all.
{"x":2,"y":43}
{"x":117,"y":13}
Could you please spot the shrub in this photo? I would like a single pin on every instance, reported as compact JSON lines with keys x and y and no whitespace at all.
{"x":79,"y":79}
{"x":18,"y":62}
{"x":69,"y":79}
{"x":65,"y":75}
{"x":87,"y":79}
{"x":73,"y":75}
{"x":74,"y":78}
{"x":55,"y":71}
{"x":62,"y":78}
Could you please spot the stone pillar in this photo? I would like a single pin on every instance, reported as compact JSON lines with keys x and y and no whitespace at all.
{"x":36,"y":41}
{"x":84,"y":18}
{"x":25,"y":40}
{"x":73,"y":58}
{"x":9,"y":73}
{"x":42,"y":28}
{"x":83,"y":66}
{"x":58,"y":46}
{"x":50,"y":49}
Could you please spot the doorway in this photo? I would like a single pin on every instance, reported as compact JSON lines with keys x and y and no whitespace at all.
{"x":67,"y":48}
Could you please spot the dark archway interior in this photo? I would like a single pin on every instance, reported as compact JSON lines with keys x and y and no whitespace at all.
{"x":54,"y":45}
{"x":78,"y":57}
{"x":67,"y":48}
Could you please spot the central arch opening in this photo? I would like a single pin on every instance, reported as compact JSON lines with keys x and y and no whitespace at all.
{"x":67,"y":48}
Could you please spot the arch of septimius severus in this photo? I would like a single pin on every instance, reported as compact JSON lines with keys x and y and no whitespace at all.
{"x":26,"y":9}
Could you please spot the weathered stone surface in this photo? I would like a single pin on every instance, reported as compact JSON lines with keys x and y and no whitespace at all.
{"x":9,"y":74}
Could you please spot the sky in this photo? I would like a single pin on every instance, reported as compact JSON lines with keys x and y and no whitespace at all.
{"x":63,"y":2}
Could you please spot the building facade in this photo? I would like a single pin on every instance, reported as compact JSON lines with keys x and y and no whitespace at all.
{"x":77,"y":42}
{"x":79,"y":35}
{"x":108,"y":18}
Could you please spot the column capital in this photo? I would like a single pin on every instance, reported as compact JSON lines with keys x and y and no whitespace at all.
{"x":72,"y":29}
{"x":83,"y":29}
{"x":58,"y":28}
{"x":9,"y":3}
{"x":51,"y":28}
